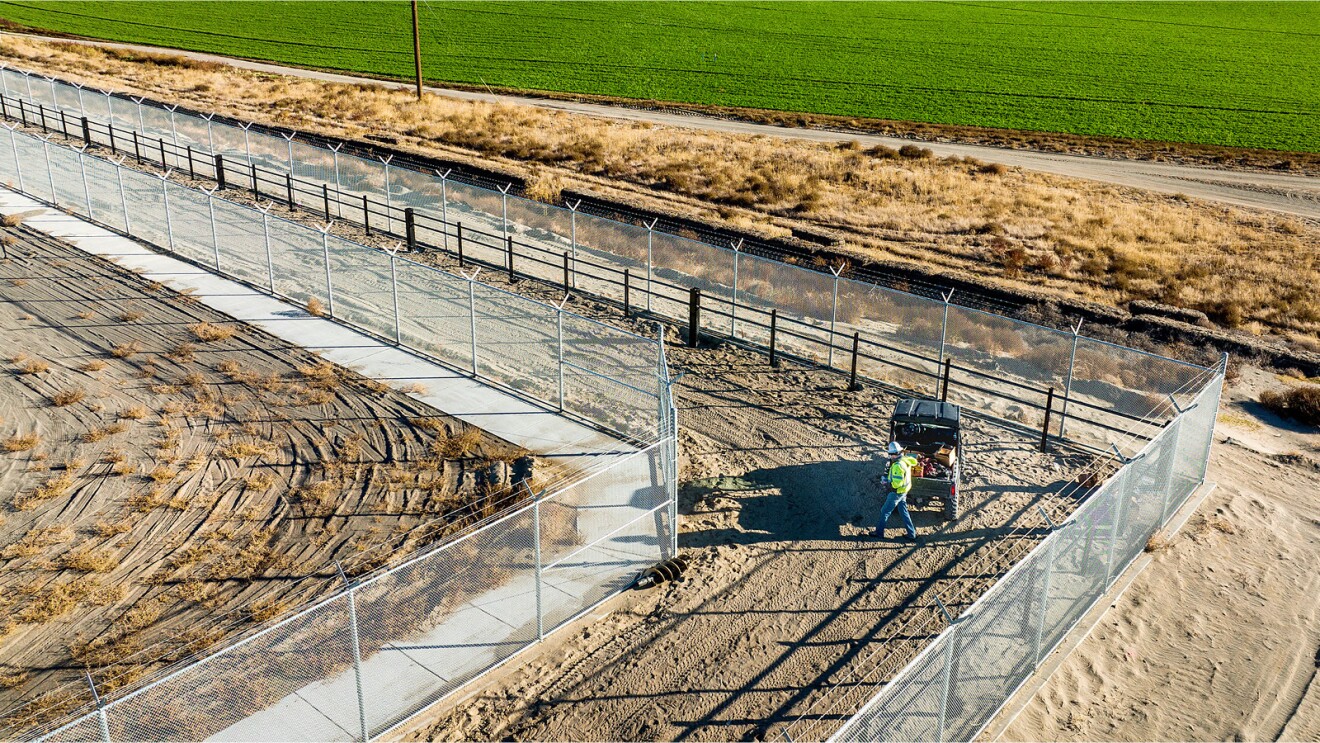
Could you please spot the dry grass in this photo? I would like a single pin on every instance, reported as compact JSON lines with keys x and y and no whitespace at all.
{"x":1064,"y":236}
{"x":89,"y":560}
{"x":246,"y":449}
{"x":21,"y":442}
{"x":161,"y":474}
{"x":1300,"y":403}
{"x":126,"y":350}
{"x":129,"y":316}
{"x":416,"y":388}
{"x":12,"y":220}
{"x":30,"y":366}
{"x":208,"y":332}
{"x":457,"y":446}
{"x":315,"y":307}
{"x":85,"y":315}
{"x":100,"y":432}
{"x":67,"y":397}
{"x":182,"y":352}
{"x":95,"y":365}
{"x":58,"y":486}
{"x":134,"y":413}
{"x":107,"y":529}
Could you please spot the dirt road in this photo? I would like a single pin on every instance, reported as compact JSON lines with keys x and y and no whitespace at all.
{"x":1297,"y":195}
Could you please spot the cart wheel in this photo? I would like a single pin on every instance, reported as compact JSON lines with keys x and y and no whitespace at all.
{"x":951,"y":507}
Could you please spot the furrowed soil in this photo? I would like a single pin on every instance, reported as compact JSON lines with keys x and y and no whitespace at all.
{"x":172,"y":476}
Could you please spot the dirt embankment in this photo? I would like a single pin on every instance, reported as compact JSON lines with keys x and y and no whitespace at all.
{"x":173,"y":476}
{"x":1022,"y":234}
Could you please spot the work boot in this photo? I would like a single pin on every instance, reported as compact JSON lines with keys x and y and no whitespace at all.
{"x":913,"y":539}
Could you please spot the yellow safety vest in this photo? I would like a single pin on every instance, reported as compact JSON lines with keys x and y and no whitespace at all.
{"x":900,"y":473}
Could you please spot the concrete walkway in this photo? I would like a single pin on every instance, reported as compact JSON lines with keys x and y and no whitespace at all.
{"x":511,"y":418}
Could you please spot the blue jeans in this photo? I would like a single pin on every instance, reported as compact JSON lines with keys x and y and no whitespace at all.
{"x":892,"y":501}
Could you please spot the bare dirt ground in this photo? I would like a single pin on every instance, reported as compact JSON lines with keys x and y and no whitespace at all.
{"x":171,"y":476}
{"x":1219,"y":637}
{"x":787,"y":593}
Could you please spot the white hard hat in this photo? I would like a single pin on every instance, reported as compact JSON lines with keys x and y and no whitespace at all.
{"x":895,"y":447}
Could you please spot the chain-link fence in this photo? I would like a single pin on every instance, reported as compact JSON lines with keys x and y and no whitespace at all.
{"x":1079,"y":389}
{"x":960,"y":680}
{"x":594,"y":371}
{"x":356,"y":664}
{"x":1154,"y":414}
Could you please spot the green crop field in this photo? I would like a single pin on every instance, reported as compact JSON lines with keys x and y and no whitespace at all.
{"x":1245,"y":74}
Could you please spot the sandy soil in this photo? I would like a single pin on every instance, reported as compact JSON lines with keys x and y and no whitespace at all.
{"x":1219,"y":638}
{"x":787,"y":594}
{"x":198,"y":485}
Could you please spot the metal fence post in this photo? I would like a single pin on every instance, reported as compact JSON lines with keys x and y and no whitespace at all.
{"x":356,"y":643}
{"x":560,"y":317}
{"x":18,"y":164}
{"x":733,"y":306}
{"x":472,"y":316}
{"x":174,"y":131}
{"x":142,"y":124}
{"x":123,"y":197}
{"x":834,"y":313}
{"x":339,"y":207}
{"x":572,"y":210}
{"x":444,"y":206}
{"x":1067,"y":387}
{"x":247,"y":142}
{"x":1171,"y":452}
{"x":215,"y":238}
{"x":694,"y":316}
{"x":101,"y":719}
{"x":1045,"y":594}
{"x":1120,"y":493}
{"x":944,"y":334}
{"x":288,"y":141}
{"x":650,"y":262}
{"x":169,"y":225}
{"x":946,"y":681}
{"x":504,"y":209}
{"x":210,"y":135}
{"x":82,"y":110}
{"x":536,"y":549}
{"x":394,"y":288}
{"x":389,"y":198}
{"x":329,"y":288}
{"x":50,"y":172}
{"x":270,"y":263}
{"x":87,"y":193}
{"x":110,"y":109}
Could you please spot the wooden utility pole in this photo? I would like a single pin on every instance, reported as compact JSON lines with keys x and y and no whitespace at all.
{"x":417,"y":49}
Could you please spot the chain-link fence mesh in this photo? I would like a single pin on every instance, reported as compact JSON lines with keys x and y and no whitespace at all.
{"x":370,"y":657}
{"x":1093,"y":393}
{"x":606,"y":375}
{"x":385,"y":648}
{"x":1101,"y":394}
{"x":956,"y":685}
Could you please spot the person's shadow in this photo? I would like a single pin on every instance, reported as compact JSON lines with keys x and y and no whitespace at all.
{"x":837,"y":501}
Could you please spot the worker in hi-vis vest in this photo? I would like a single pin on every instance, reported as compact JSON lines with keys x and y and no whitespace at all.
{"x":900,"y":482}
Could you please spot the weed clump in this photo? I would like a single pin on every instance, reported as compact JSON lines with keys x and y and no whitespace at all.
{"x":65,"y":398}
{"x":208,"y":333}
{"x":21,"y":442}
{"x":1301,"y":404}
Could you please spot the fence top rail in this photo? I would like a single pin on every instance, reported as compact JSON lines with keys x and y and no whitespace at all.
{"x":870,"y":286}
